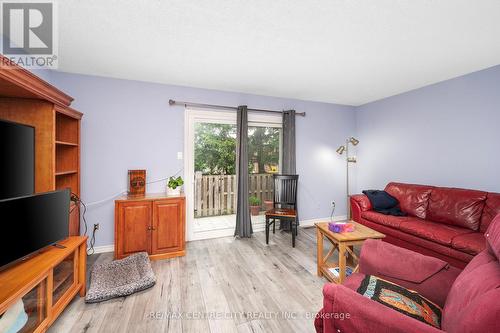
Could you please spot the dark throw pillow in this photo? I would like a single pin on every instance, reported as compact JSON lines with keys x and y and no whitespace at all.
{"x":384,"y":203}
{"x":407,"y":302}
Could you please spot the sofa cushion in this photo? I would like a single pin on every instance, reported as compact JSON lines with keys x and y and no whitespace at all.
{"x":458,"y":207}
{"x":421,"y":245}
{"x":413,"y":199}
{"x":436,"y":232}
{"x":472,"y":243}
{"x":388,"y":220}
{"x":491,"y":209}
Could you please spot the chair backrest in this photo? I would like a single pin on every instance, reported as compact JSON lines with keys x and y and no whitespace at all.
{"x":285,"y":190}
{"x":472,"y":304}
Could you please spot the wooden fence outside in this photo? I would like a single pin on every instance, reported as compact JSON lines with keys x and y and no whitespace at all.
{"x":216,"y":194}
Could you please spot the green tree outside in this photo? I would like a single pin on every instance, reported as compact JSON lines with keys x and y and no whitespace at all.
{"x":215,"y":149}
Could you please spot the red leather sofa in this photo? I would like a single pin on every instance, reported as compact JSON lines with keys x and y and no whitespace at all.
{"x":446,"y":223}
{"x":469,"y":298}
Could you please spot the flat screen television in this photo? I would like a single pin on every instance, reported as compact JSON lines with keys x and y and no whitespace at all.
{"x":17,"y":160}
{"x":30,"y":223}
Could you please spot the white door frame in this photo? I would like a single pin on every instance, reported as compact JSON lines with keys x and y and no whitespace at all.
{"x":192,"y":116}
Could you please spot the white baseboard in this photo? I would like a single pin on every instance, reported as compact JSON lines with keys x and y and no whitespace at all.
{"x":230,"y":232}
{"x":310,"y":222}
{"x":104,"y":248}
{"x":257,"y":227}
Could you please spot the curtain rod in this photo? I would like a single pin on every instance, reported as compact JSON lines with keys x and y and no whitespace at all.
{"x":212,"y":106}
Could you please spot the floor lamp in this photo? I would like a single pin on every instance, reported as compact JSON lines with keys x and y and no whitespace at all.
{"x":340,"y":150}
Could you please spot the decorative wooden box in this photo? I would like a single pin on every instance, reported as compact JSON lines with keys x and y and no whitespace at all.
{"x":136,"y":182}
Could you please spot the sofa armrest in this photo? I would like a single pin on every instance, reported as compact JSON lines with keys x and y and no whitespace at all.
{"x":344,"y":310}
{"x":359,"y":204}
{"x":429,"y":276}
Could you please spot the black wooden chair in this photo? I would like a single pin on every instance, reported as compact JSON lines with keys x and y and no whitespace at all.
{"x":285,"y":204}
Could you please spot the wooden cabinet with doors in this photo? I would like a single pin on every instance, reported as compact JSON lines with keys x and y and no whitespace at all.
{"x":152,"y":223}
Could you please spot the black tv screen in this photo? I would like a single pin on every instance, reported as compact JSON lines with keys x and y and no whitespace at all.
{"x":17,"y":160}
{"x":31,"y":223}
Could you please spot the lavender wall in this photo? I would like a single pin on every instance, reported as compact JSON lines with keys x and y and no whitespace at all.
{"x":129,"y":124}
{"x":444,"y":134}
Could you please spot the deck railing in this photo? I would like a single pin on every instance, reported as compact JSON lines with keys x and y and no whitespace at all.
{"x":216,"y":194}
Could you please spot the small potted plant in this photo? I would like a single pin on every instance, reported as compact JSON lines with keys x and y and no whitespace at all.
{"x":174,"y":186}
{"x":268,"y":204}
{"x":254,"y":205}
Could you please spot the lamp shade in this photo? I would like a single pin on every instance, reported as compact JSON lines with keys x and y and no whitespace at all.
{"x":354,"y":141}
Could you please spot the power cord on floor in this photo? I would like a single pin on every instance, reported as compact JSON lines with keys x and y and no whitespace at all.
{"x":91,"y":250}
{"x":333,"y":211}
{"x":79,"y":203}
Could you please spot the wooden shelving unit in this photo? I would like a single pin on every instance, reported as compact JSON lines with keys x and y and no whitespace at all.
{"x":48,"y":281}
{"x":27,"y":99}
{"x":68,"y":150}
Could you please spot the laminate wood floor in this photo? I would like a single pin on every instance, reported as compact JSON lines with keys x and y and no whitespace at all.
{"x":221,"y":285}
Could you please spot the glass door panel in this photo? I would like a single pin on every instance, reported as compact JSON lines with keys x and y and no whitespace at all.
{"x":31,"y":310}
{"x":64,"y":277}
{"x":215,"y":175}
{"x":264,"y":157}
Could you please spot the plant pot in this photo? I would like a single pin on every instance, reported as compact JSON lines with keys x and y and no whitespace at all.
{"x":254,"y":210}
{"x":173,"y":192}
{"x":268,"y":204}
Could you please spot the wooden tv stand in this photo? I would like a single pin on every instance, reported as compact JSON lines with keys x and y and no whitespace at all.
{"x":46,"y":282}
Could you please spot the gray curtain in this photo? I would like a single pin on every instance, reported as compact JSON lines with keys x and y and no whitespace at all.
{"x":289,"y":142}
{"x":243,"y":220}
{"x":289,"y":160}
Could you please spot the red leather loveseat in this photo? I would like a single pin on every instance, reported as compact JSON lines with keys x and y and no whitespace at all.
{"x":446,"y":223}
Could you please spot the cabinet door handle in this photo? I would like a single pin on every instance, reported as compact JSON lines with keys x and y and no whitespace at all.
{"x":149,"y":228}
{"x":153,"y":229}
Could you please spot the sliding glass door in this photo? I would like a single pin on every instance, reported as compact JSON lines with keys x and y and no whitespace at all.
{"x":210,"y":169}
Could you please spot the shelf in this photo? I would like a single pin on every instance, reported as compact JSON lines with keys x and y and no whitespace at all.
{"x":67,"y":129}
{"x":64,"y":143}
{"x":62,"y":277}
{"x":63,"y":173}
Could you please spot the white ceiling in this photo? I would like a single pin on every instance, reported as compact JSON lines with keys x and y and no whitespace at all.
{"x":348,"y":52}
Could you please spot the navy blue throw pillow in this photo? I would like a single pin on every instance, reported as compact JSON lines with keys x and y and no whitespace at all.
{"x":383,"y":202}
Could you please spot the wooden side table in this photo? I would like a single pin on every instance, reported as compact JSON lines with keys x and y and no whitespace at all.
{"x":344,"y":244}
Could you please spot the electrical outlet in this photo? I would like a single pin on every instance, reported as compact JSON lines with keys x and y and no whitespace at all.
{"x":96,"y":226}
